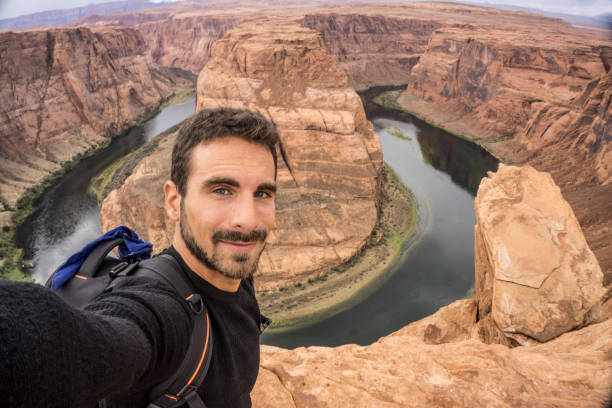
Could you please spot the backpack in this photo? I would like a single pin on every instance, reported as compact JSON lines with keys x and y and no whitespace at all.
{"x":98,"y":273}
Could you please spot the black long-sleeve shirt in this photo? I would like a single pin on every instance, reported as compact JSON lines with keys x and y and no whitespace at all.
{"x":53,"y":355}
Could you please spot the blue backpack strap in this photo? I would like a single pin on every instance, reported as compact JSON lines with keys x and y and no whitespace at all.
{"x":181,"y":387}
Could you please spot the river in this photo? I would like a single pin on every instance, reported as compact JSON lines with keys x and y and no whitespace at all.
{"x":442,"y":171}
{"x":68,"y":216}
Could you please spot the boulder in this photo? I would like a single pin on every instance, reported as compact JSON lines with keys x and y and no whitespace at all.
{"x":535,"y":273}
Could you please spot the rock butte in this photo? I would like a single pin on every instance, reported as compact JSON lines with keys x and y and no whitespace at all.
{"x":66,"y":90}
{"x":330,"y":159}
{"x":451,"y":359}
{"x":540,"y":84}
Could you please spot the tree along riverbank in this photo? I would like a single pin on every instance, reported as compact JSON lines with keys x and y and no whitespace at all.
{"x":303,"y":304}
{"x":11,"y":255}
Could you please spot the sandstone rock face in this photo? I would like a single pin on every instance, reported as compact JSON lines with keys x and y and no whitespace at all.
{"x":330,"y":159}
{"x":535,"y":278}
{"x":139,"y":202}
{"x":66,"y":90}
{"x":185,"y":41}
{"x":373,"y":49}
{"x":402,"y":371}
{"x":535,"y":272}
{"x":505,"y":81}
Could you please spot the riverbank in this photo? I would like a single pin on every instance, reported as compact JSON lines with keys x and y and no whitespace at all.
{"x":429,"y":113}
{"x":11,"y":255}
{"x":306,"y":303}
{"x":114,"y":175}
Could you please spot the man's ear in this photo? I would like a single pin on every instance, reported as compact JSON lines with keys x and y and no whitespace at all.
{"x":172,"y":200}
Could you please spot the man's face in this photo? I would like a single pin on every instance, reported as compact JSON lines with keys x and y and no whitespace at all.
{"x":228,"y":208}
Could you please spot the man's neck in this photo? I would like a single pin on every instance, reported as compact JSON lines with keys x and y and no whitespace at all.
{"x":211,"y":276}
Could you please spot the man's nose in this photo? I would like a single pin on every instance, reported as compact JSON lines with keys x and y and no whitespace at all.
{"x":244,"y":213}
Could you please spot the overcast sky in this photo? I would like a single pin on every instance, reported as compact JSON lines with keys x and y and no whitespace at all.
{"x":13,"y":8}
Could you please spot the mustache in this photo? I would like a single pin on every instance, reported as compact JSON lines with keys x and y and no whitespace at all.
{"x":236,"y":236}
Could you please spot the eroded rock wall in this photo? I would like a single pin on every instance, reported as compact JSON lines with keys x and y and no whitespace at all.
{"x":330,"y":159}
{"x":373,"y":50}
{"x":538,"y":97}
{"x":185,"y":41}
{"x":66,"y":90}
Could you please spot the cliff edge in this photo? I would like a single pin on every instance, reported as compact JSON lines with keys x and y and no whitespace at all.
{"x":543,"y":296}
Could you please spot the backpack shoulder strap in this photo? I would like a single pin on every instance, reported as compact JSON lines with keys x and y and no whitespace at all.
{"x":264,"y":322}
{"x":181,"y":387}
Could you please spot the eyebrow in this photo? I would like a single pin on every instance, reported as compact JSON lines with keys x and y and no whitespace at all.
{"x":215,"y":181}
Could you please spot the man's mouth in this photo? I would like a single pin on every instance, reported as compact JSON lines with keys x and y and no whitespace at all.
{"x":238,"y":246}
{"x":237,"y":241}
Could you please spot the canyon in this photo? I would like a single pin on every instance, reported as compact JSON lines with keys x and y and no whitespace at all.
{"x":538,"y":96}
{"x":66,"y":91}
{"x":534,"y":91}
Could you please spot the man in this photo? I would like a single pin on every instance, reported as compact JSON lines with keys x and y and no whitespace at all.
{"x":221,"y":199}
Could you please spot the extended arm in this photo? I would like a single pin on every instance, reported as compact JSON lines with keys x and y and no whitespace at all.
{"x":54,"y":355}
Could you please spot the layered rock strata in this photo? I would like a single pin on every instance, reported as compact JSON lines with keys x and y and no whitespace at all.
{"x":185,"y":41}
{"x":538,"y":97}
{"x":373,"y":50}
{"x":330,"y":159}
{"x":66,"y":90}
{"x":442,"y":360}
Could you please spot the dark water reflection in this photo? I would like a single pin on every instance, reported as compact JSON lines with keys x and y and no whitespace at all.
{"x":443,"y":173}
{"x":68,"y":216}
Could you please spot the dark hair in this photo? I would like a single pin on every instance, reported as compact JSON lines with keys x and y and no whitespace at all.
{"x":210,"y":124}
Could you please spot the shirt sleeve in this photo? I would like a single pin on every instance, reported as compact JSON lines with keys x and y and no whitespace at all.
{"x":54,"y":355}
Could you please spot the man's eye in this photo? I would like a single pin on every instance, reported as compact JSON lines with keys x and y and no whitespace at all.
{"x":221,"y":191}
{"x":262,"y":194}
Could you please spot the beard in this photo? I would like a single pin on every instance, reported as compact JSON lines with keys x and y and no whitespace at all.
{"x":236,"y":266}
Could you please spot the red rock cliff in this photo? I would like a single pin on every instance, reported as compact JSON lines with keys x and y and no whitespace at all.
{"x":541,"y":96}
{"x":66,"y":90}
{"x":185,"y":41}
{"x":373,"y":49}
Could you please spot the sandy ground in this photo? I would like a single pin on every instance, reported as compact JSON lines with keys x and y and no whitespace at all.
{"x":303,"y":304}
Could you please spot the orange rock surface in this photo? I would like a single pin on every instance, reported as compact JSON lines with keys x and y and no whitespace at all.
{"x":536,"y":275}
{"x":442,"y":360}
{"x":168,"y":40}
{"x":330,"y":159}
{"x":66,"y":90}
